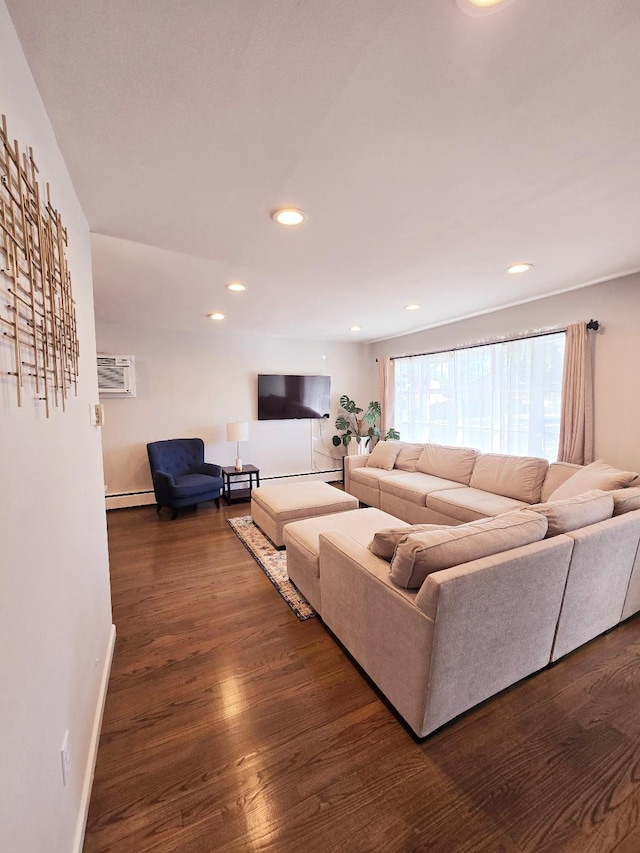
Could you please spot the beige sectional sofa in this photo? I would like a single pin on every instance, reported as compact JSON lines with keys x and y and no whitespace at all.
{"x":443,"y":617}
{"x":449,"y":485}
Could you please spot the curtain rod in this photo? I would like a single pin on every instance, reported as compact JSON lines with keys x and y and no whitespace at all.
{"x":592,"y":325}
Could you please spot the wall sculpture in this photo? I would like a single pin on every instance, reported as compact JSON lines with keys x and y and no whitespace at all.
{"x":37,"y":311}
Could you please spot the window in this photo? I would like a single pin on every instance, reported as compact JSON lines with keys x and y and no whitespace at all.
{"x":498,"y":398}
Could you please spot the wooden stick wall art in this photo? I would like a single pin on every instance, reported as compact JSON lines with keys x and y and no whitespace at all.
{"x":37,"y":311}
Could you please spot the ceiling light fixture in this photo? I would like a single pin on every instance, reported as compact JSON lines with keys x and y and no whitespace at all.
{"x":236,"y":287}
{"x":518,"y":268}
{"x":482,"y":7}
{"x":289,"y":216}
{"x":216,"y":316}
{"x":413,"y":307}
{"x":355,"y":328}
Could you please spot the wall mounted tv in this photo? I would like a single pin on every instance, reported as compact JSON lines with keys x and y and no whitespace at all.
{"x":281,"y":397}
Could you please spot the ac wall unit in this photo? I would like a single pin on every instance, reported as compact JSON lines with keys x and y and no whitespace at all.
{"x":117,"y":375}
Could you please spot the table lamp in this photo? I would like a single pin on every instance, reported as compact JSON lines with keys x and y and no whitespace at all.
{"x":238,"y":431}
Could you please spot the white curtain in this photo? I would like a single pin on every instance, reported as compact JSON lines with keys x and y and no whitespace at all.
{"x":500,"y":398}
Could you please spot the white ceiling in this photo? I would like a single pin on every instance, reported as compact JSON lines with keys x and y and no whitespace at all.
{"x":430,"y":149}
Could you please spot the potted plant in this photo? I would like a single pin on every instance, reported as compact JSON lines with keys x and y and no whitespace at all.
{"x":360,"y":424}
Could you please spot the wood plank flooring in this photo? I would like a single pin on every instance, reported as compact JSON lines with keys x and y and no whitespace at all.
{"x":231,"y":726}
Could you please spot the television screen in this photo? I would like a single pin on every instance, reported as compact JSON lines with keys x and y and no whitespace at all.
{"x":281,"y":397}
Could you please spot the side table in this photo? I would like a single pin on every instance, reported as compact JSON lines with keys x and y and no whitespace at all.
{"x":245,"y":476}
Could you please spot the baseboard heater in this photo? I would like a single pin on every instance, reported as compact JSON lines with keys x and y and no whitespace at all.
{"x":122,"y":500}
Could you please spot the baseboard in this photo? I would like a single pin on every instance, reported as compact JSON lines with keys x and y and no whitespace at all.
{"x":85,"y":799}
{"x":132,"y":499}
{"x":325,"y":476}
{"x":129,"y":499}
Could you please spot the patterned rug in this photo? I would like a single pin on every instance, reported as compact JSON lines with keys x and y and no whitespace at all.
{"x":272,"y":562}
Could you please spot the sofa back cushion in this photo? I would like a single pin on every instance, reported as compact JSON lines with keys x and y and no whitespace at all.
{"x":384,"y":541}
{"x":450,"y":463}
{"x":384,"y":455}
{"x":518,"y":477}
{"x":597,"y":475}
{"x":556,"y":475}
{"x":574,"y":513}
{"x":419,"y":554}
{"x":408,"y":456}
{"x":625,"y":500}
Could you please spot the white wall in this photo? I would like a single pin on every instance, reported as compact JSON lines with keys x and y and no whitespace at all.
{"x":616,"y":304}
{"x":55,"y":610}
{"x":192,"y":385}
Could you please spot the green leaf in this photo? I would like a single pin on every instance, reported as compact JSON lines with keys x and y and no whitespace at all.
{"x":349,"y":406}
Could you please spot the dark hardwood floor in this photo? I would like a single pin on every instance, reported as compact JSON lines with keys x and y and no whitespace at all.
{"x":232,"y":726}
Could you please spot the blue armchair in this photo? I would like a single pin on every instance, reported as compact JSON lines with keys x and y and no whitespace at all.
{"x":180,"y":475}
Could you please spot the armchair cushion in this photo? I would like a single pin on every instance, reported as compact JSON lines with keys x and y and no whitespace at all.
{"x":192,"y":485}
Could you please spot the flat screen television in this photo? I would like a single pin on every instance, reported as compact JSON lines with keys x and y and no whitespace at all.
{"x":281,"y":397}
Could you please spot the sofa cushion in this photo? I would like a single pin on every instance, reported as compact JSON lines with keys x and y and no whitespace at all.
{"x":574,"y":513}
{"x":471,"y":504}
{"x":384,"y":541}
{"x":557,"y":474}
{"x":408,"y":456}
{"x":302,"y":537}
{"x":370,"y":476}
{"x":597,"y":475}
{"x":518,"y":477}
{"x":384,"y":455}
{"x":625,"y":500}
{"x":419,"y":554}
{"x":415,"y":487}
{"x":450,"y":463}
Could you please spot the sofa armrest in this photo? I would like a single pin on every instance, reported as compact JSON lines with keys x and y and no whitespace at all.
{"x":377,"y":622}
{"x":351,"y":462}
{"x":208,"y":468}
{"x":468,"y":633}
{"x":494,"y":623}
{"x":163,"y":482}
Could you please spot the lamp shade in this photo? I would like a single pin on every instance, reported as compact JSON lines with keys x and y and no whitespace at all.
{"x":237,"y":431}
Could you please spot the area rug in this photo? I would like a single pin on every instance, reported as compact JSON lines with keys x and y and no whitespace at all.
{"x":272,"y":562}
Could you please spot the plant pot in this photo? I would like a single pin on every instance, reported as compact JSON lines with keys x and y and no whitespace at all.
{"x":355,"y":448}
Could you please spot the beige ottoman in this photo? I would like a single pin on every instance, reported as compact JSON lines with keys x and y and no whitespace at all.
{"x":274,"y":506}
{"x":302,"y":539}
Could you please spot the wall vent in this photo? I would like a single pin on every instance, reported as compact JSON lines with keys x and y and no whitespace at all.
{"x":117,"y":375}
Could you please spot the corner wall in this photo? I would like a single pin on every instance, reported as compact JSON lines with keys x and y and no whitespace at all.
{"x":616,"y":304}
{"x":55,"y":608}
{"x":192,"y":385}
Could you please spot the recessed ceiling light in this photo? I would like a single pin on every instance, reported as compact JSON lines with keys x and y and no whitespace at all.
{"x":355,"y":328}
{"x":413,"y":307}
{"x":216,"y":316}
{"x":236,"y":287}
{"x":482,"y":7}
{"x":289,"y":216}
{"x":516,"y":268}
